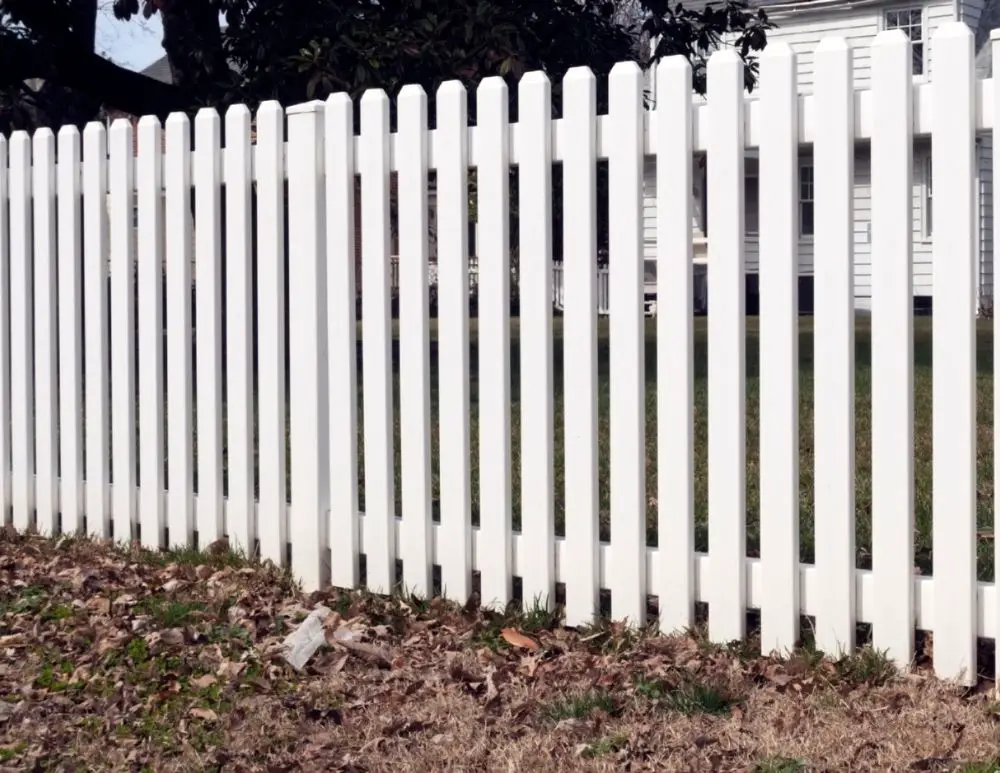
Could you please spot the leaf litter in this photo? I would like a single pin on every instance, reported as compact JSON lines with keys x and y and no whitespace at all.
{"x":115,"y":659}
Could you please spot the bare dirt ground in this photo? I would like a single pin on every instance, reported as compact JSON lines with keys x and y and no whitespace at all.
{"x":129,"y":660}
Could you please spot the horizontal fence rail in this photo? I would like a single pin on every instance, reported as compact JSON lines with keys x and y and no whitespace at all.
{"x":562,"y":445}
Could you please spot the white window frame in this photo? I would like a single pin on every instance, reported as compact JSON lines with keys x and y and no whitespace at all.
{"x":927,"y":201}
{"x":802,"y":201}
{"x":924,"y":42}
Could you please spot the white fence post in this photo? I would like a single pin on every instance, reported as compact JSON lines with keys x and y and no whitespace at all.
{"x":494,"y":342}
{"x":675,"y":346}
{"x":241,"y":524}
{"x":180,"y":460}
{"x":995,"y":59}
{"x":21,"y":338}
{"x":149,"y":199}
{"x":380,"y":462}
{"x":892,"y":345}
{"x":580,"y":349}
{"x":343,"y":332}
{"x":451,"y":153}
{"x":272,"y":433}
{"x":834,"y":438}
{"x":414,"y":336}
{"x":779,"y":351}
{"x":121,"y":179}
{"x":726,"y":590}
{"x":954,"y":354}
{"x":5,"y":370}
{"x":307,"y":343}
{"x":535,"y":272}
{"x":627,"y":366}
{"x":44,"y":281}
{"x":95,"y":323}
{"x":208,"y":322}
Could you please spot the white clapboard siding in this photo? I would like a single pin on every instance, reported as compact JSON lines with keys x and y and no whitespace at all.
{"x":150,"y":252}
{"x":892,"y":347}
{"x":628,"y":352}
{"x":726,"y":352}
{"x":675,"y":349}
{"x":453,"y":341}
{"x":121,"y":172}
{"x":834,"y":438}
{"x":580,"y":349}
{"x":954,"y":355}
{"x":241,"y":525}
{"x":414,"y":346}
{"x":779,"y":366}
{"x":44,"y":280}
{"x":309,"y":397}
{"x":380,"y":491}
{"x":208,"y":322}
{"x":494,"y":341}
{"x":536,"y":367}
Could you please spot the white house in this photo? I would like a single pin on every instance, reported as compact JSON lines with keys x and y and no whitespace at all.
{"x":802,"y":25}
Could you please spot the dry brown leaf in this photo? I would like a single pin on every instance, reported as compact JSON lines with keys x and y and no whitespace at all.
{"x":206,"y":714}
{"x":207,"y":680}
{"x":517,"y":639}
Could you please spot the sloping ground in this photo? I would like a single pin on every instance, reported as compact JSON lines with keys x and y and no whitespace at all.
{"x":111,"y":660}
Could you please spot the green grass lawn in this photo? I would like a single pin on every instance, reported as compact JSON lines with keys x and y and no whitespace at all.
{"x":922,"y":433}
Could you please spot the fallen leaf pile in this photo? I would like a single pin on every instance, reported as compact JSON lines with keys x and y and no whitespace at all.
{"x":130,"y":660}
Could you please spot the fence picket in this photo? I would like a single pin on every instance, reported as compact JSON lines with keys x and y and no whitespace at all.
{"x":149,"y":201}
{"x":538,"y":578}
{"x":46,"y":386}
{"x":627,"y":577}
{"x":21,"y":338}
{"x":5,"y":370}
{"x":582,"y":573}
{"x":834,"y":439}
{"x":779,"y":355}
{"x":123,"y":395}
{"x":414,"y":350}
{"x":892,"y":345}
{"x":380,"y":491}
{"x":343,"y":331}
{"x":240,"y":522}
{"x":451,"y":152}
{"x":675,"y":347}
{"x":726,"y":353}
{"x":307,"y":346}
{"x":180,"y":461}
{"x":995,"y":136}
{"x":954,"y":354}
{"x":208,"y":323}
{"x":494,"y":342}
{"x":272,"y":432}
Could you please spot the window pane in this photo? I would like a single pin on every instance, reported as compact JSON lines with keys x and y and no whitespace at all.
{"x":751,"y":190}
{"x":806,"y":218}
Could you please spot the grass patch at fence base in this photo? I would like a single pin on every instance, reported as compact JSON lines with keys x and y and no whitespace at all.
{"x":165,"y":662}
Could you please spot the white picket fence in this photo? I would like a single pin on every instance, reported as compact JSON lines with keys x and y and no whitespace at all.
{"x":55,"y":475}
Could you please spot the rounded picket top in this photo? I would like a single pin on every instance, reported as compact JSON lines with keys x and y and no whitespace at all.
{"x":206,"y":114}
{"x":579,"y":74}
{"x":832,"y":45}
{"x":120,"y":127}
{"x":890,"y":38}
{"x":149,"y":122}
{"x":236,"y":112}
{"x":374,"y":97}
{"x":68,"y":132}
{"x":270,"y":108}
{"x":534,"y":78}
{"x":779,"y":49}
{"x":625,"y":69}
{"x":177,"y":120}
{"x":673,"y":64}
{"x":451,"y":88}
{"x":412,"y":91}
{"x":725,"y":57}
{"x":43,"y":134}
{"x":953,"y":29}
{"x":492,"y":84}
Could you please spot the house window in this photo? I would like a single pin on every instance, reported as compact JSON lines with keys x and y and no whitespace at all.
{"x":911,"y":22}
{"x":928,"y":200}
{"x":806,"y":200}
{"x":751,"y":197}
